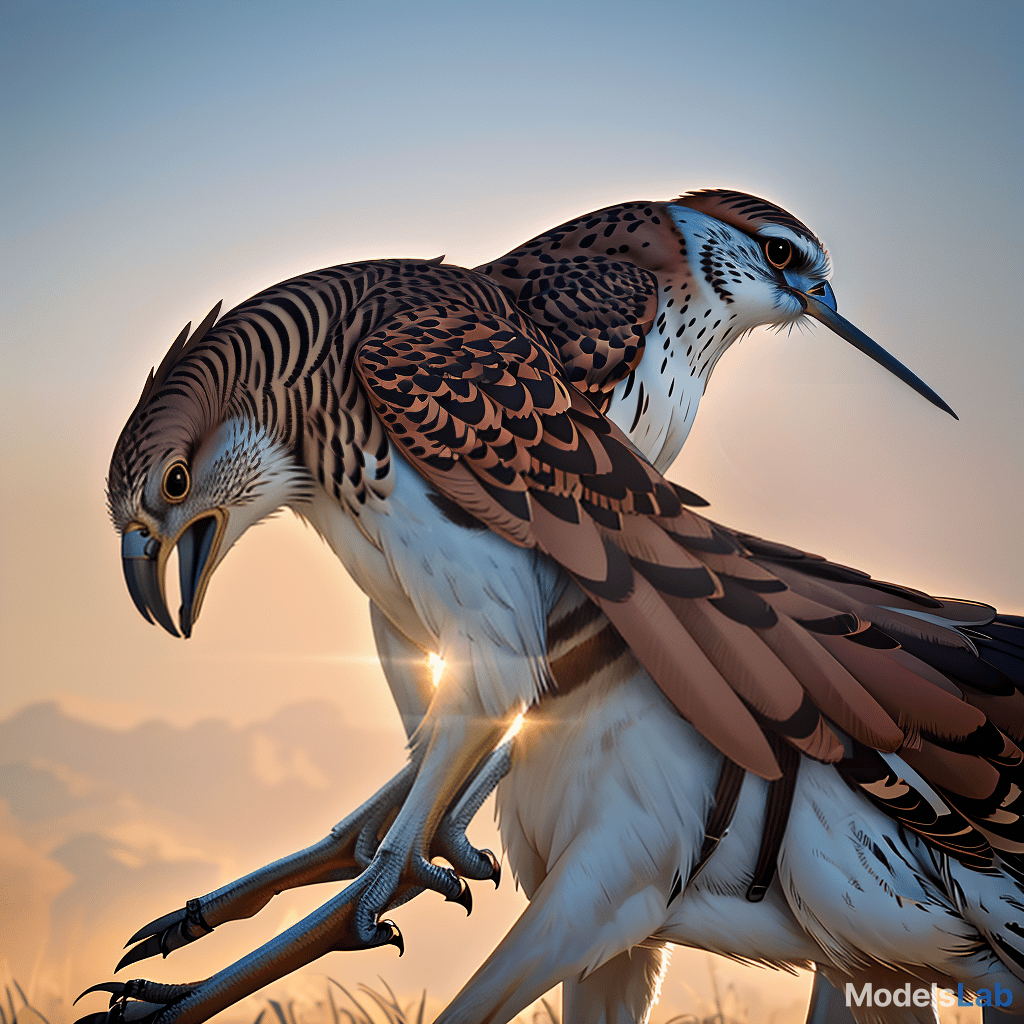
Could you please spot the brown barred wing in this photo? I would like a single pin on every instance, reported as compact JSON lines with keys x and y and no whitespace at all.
{"x":596,"y":309}
{"x":847,"y":670}
{"x":950,"y":673}
{"x":478,"y":403}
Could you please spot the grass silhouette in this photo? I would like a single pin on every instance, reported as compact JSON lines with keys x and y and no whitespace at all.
{"x":368,"y":1005}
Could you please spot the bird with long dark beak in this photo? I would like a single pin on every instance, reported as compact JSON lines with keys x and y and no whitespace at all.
{"x":479,"y":448}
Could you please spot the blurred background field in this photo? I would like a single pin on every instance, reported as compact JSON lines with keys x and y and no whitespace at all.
{"x":104,"y":829}
{"x":378,"y":1004}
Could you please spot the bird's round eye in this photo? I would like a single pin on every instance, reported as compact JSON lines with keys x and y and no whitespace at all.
{"x":176,"y":482}
{"x":779,"y":252}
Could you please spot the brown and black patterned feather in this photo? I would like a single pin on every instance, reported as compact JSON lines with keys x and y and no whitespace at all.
{"x":596,"y":309}
{"x":592,"y":285}
{"x":449,"y":384}
{"x":744,"y":636}
{"x":834,"y":665}
{"x":950,"y":673}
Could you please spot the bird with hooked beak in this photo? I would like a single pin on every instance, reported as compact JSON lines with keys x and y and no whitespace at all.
{"x":476,"y":447}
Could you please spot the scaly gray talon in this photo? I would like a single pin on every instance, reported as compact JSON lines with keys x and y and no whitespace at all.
{"x":468,"y":862}
{"x":332,"y":859}
{"x":167,"y":933}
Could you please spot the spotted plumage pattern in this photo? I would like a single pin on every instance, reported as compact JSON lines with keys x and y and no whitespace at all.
{"x":484,"y":452}
{"x":592,"y":285}
{"x":745,"y":637}
{"x":283,"y":360}
{"x":652,"y":282}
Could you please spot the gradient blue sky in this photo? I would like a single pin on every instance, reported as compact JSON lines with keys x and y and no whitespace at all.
{"x":160,"y":156}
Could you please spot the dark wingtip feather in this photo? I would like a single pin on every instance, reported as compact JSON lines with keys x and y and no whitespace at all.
{"x":744,"y":606}
{"x":687,"y":497}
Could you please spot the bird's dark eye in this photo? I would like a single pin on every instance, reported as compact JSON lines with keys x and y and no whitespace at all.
{"x":779,"y":252}
{"x":176,"y":482}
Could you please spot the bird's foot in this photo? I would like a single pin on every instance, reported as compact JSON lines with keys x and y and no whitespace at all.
{"x":450,"y":839}
{"x":466,"y":859}
{"x":135,"y":1002}
{"x":440,"y":879}
{"x":346,"y":922}
{"x":341,"y":855}
{"x":170,"y":932}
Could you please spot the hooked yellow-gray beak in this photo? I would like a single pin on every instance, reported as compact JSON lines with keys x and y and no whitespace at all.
{"x":144,"y":560}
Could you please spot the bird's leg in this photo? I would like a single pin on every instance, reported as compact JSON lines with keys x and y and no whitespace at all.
{"x":621,"y":991}
{"x":352,"y":843}
{"x":567,"y":930}
{"x":342,"y":854}
{"x":454,"y":747}
{"x":828,"y":1005}
{"x":409,"y":676}
{"x":450,"y":839}
{"x":323,"y":931}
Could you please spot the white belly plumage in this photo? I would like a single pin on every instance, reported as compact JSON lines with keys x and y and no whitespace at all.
{"x":853,"y":893}
{"x":465,"y":594}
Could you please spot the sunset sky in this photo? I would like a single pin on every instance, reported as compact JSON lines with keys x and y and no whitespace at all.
{"x":161,"y":156}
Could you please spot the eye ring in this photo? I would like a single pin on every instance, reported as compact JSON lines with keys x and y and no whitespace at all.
{"x":176,"y":482}
{"x":778,"y":252}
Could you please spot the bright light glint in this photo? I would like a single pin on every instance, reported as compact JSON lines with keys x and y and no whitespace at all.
{"x":436,"y":663}
{"x":514,"y":727}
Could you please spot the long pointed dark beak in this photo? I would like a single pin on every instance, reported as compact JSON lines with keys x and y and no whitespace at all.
{"x":144,"y":559}
{"x":144,"y":573}
{"x":827,"y":314}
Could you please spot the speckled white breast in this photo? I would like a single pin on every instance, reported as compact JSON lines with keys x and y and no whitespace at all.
{"x":656,"y":405}
{"x":697,"y":321}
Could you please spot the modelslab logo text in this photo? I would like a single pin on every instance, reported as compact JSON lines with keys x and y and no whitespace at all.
{"x":921,"y":996}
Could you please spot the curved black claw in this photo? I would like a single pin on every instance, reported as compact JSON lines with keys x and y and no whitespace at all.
{"x":115,"y":988}
{"x":464,"y":897}
{"x":396,"y":936}
{"x":495,"y":867}
{"x":134,"y":1002}
{"x":466,"y":859}
{"x":166,"y":934}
